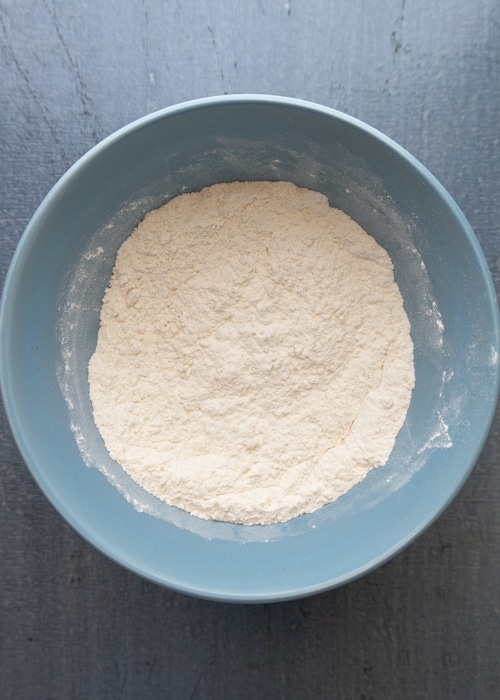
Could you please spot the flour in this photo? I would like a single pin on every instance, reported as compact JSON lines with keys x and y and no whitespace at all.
{"x":254,"y":359}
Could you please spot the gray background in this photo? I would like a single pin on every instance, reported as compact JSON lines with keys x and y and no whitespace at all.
{"x":72,"y":623}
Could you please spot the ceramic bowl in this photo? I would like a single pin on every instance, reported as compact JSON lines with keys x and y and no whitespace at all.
{"x":50,"y":317}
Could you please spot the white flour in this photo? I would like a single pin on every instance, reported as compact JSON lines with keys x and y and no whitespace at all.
{"x":254,"y":360}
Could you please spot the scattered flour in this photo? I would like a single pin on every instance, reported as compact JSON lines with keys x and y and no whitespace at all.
{"x":254,"y":359}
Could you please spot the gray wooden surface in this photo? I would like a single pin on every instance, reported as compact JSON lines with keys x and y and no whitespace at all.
{"x":72,"y":623}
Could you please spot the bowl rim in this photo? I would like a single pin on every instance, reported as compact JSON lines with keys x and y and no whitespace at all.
{"x":31,"y":230}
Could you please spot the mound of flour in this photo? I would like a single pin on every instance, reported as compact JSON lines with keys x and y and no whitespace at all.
{"x":254,"y":359}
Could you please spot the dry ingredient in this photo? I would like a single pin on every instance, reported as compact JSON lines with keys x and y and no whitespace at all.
{"x":254,"y":359}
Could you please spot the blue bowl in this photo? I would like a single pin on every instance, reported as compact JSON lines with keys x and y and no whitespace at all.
{"x":50,"y":317}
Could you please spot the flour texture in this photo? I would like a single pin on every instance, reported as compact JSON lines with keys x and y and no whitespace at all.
{"x":254,"y":359}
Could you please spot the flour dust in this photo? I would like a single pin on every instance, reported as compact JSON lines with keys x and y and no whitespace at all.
{"x":254,"y":359}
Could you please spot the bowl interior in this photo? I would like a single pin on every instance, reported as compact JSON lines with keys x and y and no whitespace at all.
{"x":50,"y":318}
